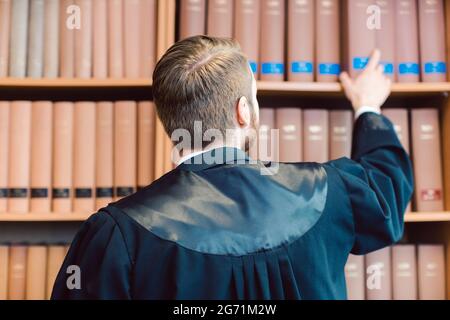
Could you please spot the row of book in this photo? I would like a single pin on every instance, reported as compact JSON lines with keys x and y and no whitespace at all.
{"x":29,"y":272}
{"x":77,"y":38}
{"x":410,"y":34}
{"x":67,"y":157}
{"x":314,"y":135}
{"x":400,"y":272}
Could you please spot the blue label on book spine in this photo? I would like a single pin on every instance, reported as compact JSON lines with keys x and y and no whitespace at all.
{"x":272,"y":68}
{"x":302,"y":67}
{"x":329,"y":68}
{"x":360,"y":63}
{"x":253,"y":66}
{"x":388,"y":67}
{"x":408,"y":68}
{"x":435,"y":67}
{"x":3,"y":193}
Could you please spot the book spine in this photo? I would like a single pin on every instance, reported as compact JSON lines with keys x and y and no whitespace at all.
{"x":192,"y":18}
{"x":62,"y":157}
{"x":315,"y":136}
{"x":116,"y":41}
{"x":328,"y":49}
{"x":132,"y":30}
{"x":19,"y":157}
{"x":220,"y":18}
{"x":67,"y":40}
{"x":148,"y":38}
{"x":125,"y":129}
{"x":341,"y":130}
{"x":385,"y":37}
{"x":55,"y":260}
{"x":431,"y":260}
{"x":4,"y":154}
{"x":17,"y":272}
{"x":36,"y":271}
{"x":35,"y":63}
{"x":404,"y":272}
{"x":83,"y":41}
{"x":427,"y":160}
{"x":104,"y":154}
{"x":18,"y":38}
{"x":100,"y":39}
{"x":146,"y":142}
{"x":407,"y":41}
{"x":432,"y":41}
{"x":289,"y":122}
{"x":4,"y":261}
{"x":51,"y":38}
{"x":301,"y":40}
{"x":265,"y":141}
{"x":246,"y":30}
{"x":84,"y":157}
{"x":272,"y":40}
{"x":378,"y":272}
{"x":354,"y":277}
{"x":41,"y":156}
{"x":5,"y":15}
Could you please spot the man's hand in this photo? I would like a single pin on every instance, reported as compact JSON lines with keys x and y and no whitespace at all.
{"x":371,"y":88}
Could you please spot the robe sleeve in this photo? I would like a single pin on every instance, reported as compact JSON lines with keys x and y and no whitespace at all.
{"x":100,"y":252}
{"x":379,"y":183}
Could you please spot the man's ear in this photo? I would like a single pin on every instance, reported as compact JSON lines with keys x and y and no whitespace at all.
{"x":243,"y":112}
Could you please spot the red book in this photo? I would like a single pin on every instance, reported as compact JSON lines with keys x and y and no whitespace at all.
{"x":266,"y":144}
{"x":404,"y":272}
{"x":431,"y":259}
{"x":385,"y":37}
{"x":272,"y":40}
{"x":220,"y":18}
{"x":378,"y":275}
{"x":289,"y":122}
{"x":4,"y":154}
{"x":341,"y":128}
{"x":192,"y":18}
{"x":315,"y":136}
{"x":301,"y":40}
{"x":355,"y":277}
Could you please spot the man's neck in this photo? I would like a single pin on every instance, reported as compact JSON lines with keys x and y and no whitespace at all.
{"x":187,"y":154}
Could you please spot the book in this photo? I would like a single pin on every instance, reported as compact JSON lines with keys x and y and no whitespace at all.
{"x":427,"y":160}
{"x":146,"y":142}
{"x":116,"y":39}
{"x":125,"y":148}
{"x":328,"y":48}
{"x":35,"y":65}
{"x":36,"y":272}
{"x":84,"y":157}
{"x":132,"y":30}
{"x":289,"y":122}
{"x":431,"y":266}
{"x":83,"y":40}
{"x":104,"y":156}
{"x":246,"y":26}
{"x":148,"y":38}
{"x":220,"y":18}
{"x":432,"y":40}
{"x":378,"y":275}
{"x":18,"y":39}
{"x":100,"y":39}
{"x":385,"y":37}
{"x":17,"y":272}
{"x":315,"y":135}
{"x":19,"y":157}
{"x":266,"y":143}
{"x":272,"y":40}
{"x":4,"y":261}
{"x":41,"y":156}
{"x":192,"y":18}
{"x":67,"y":39}
{"x":300,"y":43}
{"x":51,"y":38}
{"x":4,"y":155}
{"x":62,"y":157}
{"x":404,"y":272}
{"x":407,"y":41}
{"x":5,"y":14}
{"x":358,"y":34}
{"x":55,"y":259}
{"x":341,"y":133}
{"x":355,"y":277}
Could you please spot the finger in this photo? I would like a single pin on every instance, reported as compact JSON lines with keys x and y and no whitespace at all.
{"x":374,"y":60}
{"x":380,"y":69}
{"x":346,"y":81}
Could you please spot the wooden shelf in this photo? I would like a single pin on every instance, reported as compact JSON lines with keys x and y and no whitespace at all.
{"x":427,"y":216}
{"x":72,"y":83}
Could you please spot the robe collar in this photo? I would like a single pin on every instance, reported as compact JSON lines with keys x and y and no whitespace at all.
{"x":214,"y":157}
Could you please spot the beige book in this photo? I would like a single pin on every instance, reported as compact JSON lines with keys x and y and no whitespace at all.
{"x":266,"y":143}
{"x":18,"y":38}
{"x":4,"y":154}
{"x":341,"y":133}
{"x":83,"y":40}
{"x":36,"y":272}
{"x":220,"y":18}
{"x":289,"y":121}
{"x":355,"y":277}
{"x":378,"y":275}
{"x":148,"y":22}
{"x":67,"y":30}
{"x":192,"y":18}
{"x":315,"y":136}
{"x":431,"y":266}
{"x":19,"y":157}
{"x":55,"y":259}
{"x":385,"y":37}
{"x":132,"y":44}
{"x":62,"y":157}
{"x":5,"y":15}
{"x":115,"y":37}
{"x":104,"y":154}
{"x":84,"y":157}
{"x":17,"y":272}
{"x":35,"y":64}
{"x":41,"y":156}
{"x":125,"y":148}
{"x":100,"y":39}
{"x":146,"y":142}
{"x":4,"y":262}
{"x":404,"y":272}
{"x":51,"y":38}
